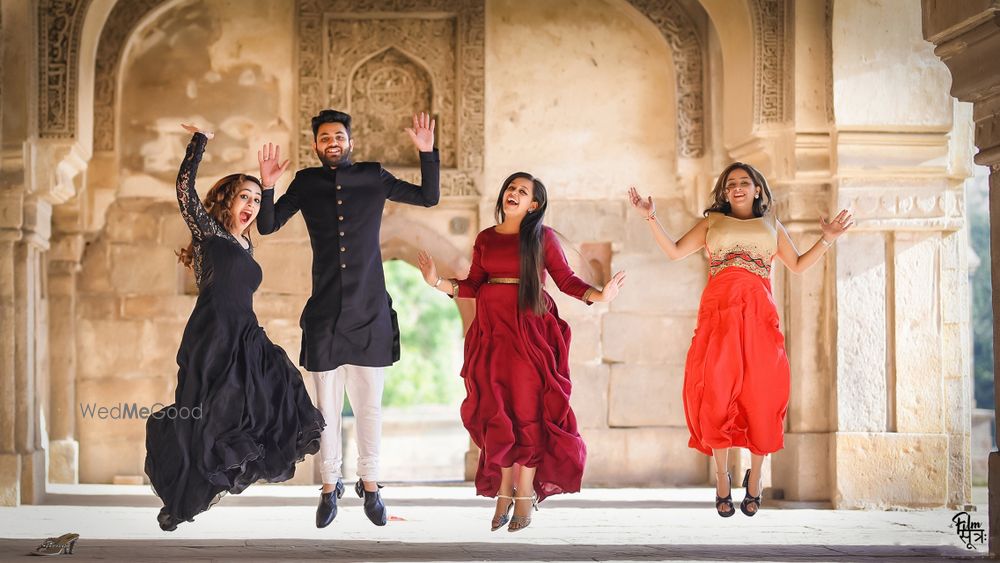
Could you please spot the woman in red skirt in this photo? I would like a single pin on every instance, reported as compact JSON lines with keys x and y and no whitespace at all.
{"x":736,"y":376}
{"x":516,"y":367}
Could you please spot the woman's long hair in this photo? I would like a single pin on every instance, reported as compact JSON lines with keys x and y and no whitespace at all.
{"x":218,"y":202}
{"x":529,"y":291}
{"x":760,"y":206}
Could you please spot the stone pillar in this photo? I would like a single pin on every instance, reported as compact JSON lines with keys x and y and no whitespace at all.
{"x":64,"y":448}
{"x":802,"y":187}
{"x":901,"y":158}
{"x":24,"y":347}
{"x":967,"y":39}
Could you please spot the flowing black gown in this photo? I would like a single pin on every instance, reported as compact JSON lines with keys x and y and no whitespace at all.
{"x":241,"y":412}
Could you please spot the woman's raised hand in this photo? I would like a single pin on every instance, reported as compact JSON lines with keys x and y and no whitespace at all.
{"x":838,"y":226}
{"x":271,"y":167}
{"x":644,"y":207}
{"x":610,"y":291}
{"x":427,"y":267}
{"x":194,"y":129}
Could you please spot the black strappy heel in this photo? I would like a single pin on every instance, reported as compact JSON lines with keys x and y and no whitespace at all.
{"x":750,"y":500}
{"x":726,"y":500}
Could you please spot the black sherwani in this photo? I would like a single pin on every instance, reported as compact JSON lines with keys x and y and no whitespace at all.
{"x":348,"y":318}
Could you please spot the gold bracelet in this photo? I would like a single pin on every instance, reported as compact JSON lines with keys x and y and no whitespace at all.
{"x":454,"y":287}
{"x":651,"y":216}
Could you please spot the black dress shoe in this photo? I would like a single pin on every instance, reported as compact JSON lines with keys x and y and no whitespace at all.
{"x":327,"y":509}
{"x":374,"y":507}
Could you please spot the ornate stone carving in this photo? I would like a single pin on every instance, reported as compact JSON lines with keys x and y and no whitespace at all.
{"x":770,"y":45}
{"x":59,"y":25}
{"x":122,"y":21}
{"x":894,"y":204}
{"x":685,"y":45}
{"x":381,"y":60}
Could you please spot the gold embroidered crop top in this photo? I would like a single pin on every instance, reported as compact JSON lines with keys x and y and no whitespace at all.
{"x":744,"y":243}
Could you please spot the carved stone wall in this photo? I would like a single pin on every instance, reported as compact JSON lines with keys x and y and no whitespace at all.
{"x":59,"y":26}
{"x":688,"y":50}
{"x":772,"y":40}
{"x":381,"y":61}
{"x":119,"y":27}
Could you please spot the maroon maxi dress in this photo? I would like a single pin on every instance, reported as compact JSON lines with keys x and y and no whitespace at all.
{"x":516,"y":370}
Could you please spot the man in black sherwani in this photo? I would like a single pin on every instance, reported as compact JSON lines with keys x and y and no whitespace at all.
{"x":349,"y":330}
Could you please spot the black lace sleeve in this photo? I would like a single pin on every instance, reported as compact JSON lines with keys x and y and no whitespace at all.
{"x":198,"y":220}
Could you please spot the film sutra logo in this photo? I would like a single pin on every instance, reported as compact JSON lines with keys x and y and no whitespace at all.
{"x":968,"y":530}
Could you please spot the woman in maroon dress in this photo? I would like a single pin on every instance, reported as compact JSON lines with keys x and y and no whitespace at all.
{"x":516,"y":367}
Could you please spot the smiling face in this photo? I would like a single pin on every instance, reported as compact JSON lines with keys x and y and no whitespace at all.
{"x":245,"y":205}
{"x":519,"y":198}
{"x":333,"y":144}
{"x":740,"y":191}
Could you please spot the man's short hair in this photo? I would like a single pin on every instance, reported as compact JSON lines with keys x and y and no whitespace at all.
{"x":331,"y":116}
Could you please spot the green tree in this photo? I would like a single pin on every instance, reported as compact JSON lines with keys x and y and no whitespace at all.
{"x":982,"y":305}
{"x":431,"y":342}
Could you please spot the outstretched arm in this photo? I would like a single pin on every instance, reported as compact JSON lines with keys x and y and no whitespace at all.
{"x":273,"y":215}
{"x":691,"y":242}
{"x":198,"y":220}
{"x":428,"y":193}
{"x":468,"y":287}
{"x":832,"y":230}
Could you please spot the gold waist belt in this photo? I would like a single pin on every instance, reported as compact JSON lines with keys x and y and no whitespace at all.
{"x":513,"y":281}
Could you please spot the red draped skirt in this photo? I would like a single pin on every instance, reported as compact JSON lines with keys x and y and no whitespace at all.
{"x":736,"y":378}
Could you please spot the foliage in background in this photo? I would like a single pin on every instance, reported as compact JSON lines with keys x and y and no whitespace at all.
{"x":982,"y":304}
{"x":431,"y":342}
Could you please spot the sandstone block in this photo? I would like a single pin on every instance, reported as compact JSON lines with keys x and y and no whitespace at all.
{"x":646,"y":395}
{"x":877,"y":470}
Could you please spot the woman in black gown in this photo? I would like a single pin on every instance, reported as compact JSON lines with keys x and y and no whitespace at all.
{"x":241,"y":412}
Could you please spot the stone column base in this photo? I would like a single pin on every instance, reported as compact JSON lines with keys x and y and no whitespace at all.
{"x":10,"y":480}
{"x":64,"y":462}
{"x":874,"y":470}
{"x":802,"y":469}
{"x":33,"y":477}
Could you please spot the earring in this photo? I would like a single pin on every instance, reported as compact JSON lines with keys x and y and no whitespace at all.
{"x":756,"y":196}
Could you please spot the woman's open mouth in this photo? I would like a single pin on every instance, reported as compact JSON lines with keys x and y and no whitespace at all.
{"x":245,"y":216}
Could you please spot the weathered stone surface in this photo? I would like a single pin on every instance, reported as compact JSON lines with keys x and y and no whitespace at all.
{"x":64,"y":461}
{"x":107,"y":445}
{"x":589,"y":398}
{"x":105,"y":347}
{"x":802,"y":469}
{"x":656,"y":284}
{"x":654,"y":456}
{"x":585,"y":340}
{"x":156,"y":275}
{"x":132,"y":220}
{"x":646,"y":395}
{"x":876,"y":470}
{"x":861,"y":336}
{"x":650,"y":339}
{"x":143,"y":307}
{"x":287,"y":268}
{"x":919,"y":397}
{"x":896,"y":54}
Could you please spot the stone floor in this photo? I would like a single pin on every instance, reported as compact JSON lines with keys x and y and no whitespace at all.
{"x":448,"y":523}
